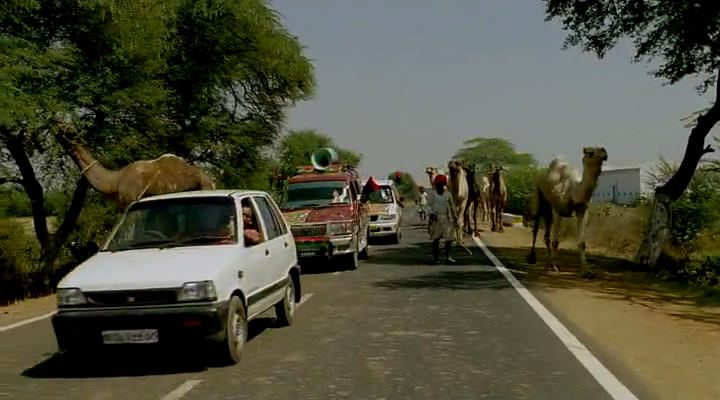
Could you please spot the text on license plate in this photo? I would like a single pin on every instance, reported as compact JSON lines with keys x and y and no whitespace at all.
{"x":130,"y":336}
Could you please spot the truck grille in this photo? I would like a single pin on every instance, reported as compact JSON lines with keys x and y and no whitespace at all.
{"x":374,"y":218}
{"x":309,"y":230}
{"x":132,"y":297}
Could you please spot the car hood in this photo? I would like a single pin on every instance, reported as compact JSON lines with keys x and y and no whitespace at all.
{"x":150,"y":268}
{"x":383,"y":209}
{"x":320,"y":214}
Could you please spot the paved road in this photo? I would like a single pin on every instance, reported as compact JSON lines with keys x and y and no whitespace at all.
{"x":396,"y":328}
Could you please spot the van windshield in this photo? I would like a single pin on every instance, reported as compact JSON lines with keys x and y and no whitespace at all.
{"x":189,"y":221}
{"x":383,"y":196}
{"x":317,"y":194}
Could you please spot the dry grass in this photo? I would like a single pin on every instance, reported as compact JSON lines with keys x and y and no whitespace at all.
{"x":29,"y":226}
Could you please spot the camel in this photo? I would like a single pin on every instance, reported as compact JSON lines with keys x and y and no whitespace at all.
{"x":497,"y":197}
{"x":476,"y":200}
{"x":432,"y":172}
{"x":165,"y":174}
{"x":485,"y":199}
{"x":561,"y":192}
{"x":458,"y":186}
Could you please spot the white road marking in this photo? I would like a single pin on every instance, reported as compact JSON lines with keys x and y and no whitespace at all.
{"x":6,"y":328}
{"x":616,"y":389}
{"x":181,"y":390}
{"x":304,"y":299}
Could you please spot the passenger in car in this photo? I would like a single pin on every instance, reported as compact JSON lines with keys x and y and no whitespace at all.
{"x":251,"y":232}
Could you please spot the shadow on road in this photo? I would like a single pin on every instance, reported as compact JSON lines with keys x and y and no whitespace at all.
{"x":616,"y":279}
{"x":133,"y":361}
{"x":452,"y":280}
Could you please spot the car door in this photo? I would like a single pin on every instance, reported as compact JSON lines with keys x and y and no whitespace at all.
{"x":255,"y":276}
{"x":276,"y":246}
{"x":290,"y":253}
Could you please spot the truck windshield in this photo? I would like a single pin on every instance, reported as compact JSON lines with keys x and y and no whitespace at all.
{"x":189,"y":221}
{"x":384,"y":195}
{"x":314,"y":194}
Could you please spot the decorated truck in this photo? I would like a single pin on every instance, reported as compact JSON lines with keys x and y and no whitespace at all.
{"x":327,"y":213}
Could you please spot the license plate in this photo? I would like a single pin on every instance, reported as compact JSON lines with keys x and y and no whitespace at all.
{"x":373,"y":227}
{"x":130,"y":336}
{"x":307,"y":253}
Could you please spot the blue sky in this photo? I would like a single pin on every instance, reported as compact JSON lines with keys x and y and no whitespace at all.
{"x":405,"y":82}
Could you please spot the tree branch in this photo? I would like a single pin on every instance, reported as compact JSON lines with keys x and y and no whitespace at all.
{"x":32,"y":187}
{"x":73,"y":213}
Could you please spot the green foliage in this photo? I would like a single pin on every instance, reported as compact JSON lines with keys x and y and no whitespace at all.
{"x":520,"y":183}
{"x":209,"y":81}
{"x":14,"y":203}
{"x":297,"y":147}
{"x":405,"y":184}
{"x":681,"y":35}
{"x":483,"y":152}
{"x":17,"y":260}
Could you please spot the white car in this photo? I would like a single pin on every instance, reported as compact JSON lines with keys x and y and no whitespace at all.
{"x":176,"y":269}
{"x":386,"y":211}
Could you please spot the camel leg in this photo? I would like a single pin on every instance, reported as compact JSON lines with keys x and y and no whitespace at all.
{"x":476,"y":208}
{"x":555,"y":240}
{"x":501,"y":225}
{"x":581,"y":220}
{"x":532,"y":258}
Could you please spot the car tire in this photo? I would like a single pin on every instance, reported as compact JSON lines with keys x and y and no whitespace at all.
{"x":365,"y":253}
{"x":236,"y":333}
{"x":395,"y":239}
{"x":285,"y":308}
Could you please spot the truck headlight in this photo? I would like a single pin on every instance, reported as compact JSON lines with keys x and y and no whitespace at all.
{"x":340,"y":228}
{"x":70,"y":297}
{"x":389,"y":217}
{"x":196,"y":291}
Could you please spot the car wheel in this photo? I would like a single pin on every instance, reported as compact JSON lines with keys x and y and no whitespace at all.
{"x":395,"y":239}
{"x":285,"y":309}
{"x":364,"y":254}
{"x":236,"y":333}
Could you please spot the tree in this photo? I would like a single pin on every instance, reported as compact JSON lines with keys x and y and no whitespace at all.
{"x":683,"y":37}
{"x":483,"y":152}
{"x":297,"y":146}
{"x":405,"y":184}
{"x":208,"y":81}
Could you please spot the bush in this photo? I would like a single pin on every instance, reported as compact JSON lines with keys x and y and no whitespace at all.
{"x":520,"y":183}
{"x":18,"y":261}
{"x":14,"y":203}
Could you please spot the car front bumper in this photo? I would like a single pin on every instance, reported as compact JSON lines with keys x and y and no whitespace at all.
{"x":174,"y":324}
{"x":324,"y":247}
{"x":384,"y":228}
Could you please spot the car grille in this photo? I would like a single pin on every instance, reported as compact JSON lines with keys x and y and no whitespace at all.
{"x":309,"y":230}
{"x":374,"y":218}
{"x":132,"y":297}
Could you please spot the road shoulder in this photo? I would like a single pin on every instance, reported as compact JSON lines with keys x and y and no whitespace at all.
{"x":26,"y":309}
{"x":668,"y":343}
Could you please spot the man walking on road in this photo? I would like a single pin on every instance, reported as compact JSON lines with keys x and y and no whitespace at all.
{"x":422,"y":203}
{"x":442,"y":219}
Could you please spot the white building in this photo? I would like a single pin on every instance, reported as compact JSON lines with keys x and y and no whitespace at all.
{"x":623,"y":185}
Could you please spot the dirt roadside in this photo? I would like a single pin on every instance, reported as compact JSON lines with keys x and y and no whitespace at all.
{"x":667,"y":338}
{"x":26,"y":309}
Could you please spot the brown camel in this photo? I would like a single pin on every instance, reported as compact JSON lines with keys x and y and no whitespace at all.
{"x":476,"y":200}
{"x":497,"y":198}
{"x":561,"y":192}
{"x":165,"y":174}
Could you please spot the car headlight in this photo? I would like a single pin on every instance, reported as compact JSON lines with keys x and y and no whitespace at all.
{"x":196,"y":291}
{"x":340,"y":228}
{"x":70,"y":297}
{"x":389,"y":217}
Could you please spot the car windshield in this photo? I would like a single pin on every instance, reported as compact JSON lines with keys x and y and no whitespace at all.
{"x":383,"y":196}
{"x":189,"y":221}
{"x":317,"y":194}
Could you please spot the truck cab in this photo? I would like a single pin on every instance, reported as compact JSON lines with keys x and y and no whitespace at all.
{"x":326,"y":215}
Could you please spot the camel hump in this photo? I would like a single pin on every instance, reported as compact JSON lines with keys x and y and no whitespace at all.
{"x":170,"y":155}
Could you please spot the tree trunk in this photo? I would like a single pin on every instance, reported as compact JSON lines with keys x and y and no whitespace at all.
{"x":665,"y":195}
{"x":50,"y":245}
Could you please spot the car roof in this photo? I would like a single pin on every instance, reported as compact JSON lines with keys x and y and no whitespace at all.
{"x":203,"y":193}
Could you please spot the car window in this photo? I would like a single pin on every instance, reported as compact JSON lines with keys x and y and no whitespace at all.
{"x":273,"y":230}
{"x":279,"y":219}
{"x":253,"y":232}
{"x":194,"y":221}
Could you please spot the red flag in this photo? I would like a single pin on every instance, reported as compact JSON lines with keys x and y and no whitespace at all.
{"x":374,"y":187}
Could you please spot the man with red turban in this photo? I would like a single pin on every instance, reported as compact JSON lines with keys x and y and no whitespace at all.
{"x":442,"y":219}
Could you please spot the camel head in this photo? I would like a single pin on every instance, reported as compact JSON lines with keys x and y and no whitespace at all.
{"x":495,"y":173}
{"x":455,"y":166}
{"x":594,"y":157}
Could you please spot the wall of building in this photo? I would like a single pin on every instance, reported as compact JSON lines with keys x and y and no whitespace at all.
{"x":620,"y":186}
